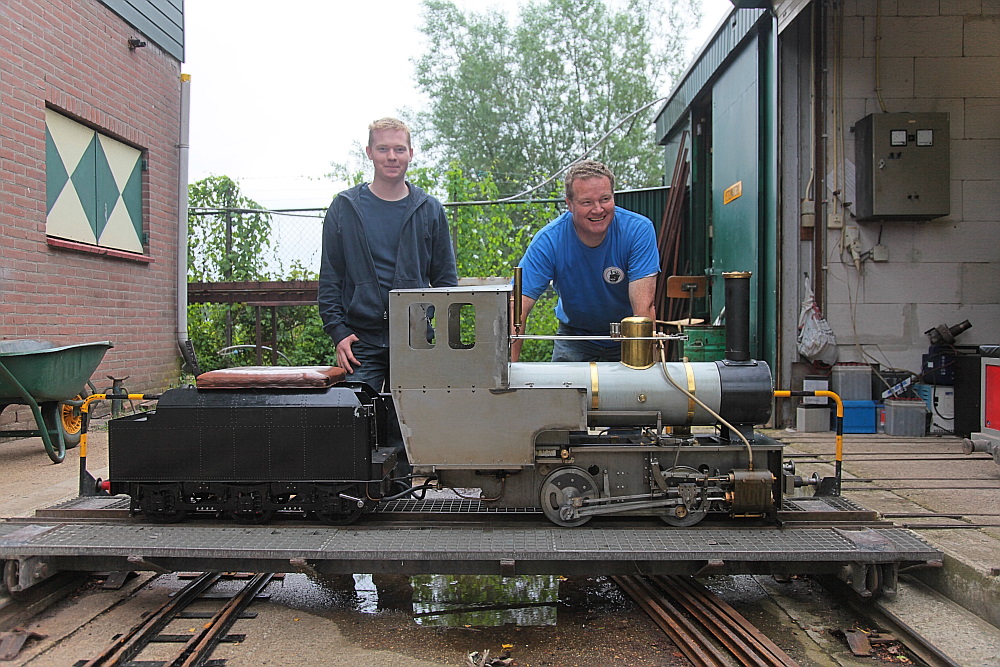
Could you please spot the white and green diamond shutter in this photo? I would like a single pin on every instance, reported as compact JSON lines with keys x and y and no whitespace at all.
{"x":93,"y":186}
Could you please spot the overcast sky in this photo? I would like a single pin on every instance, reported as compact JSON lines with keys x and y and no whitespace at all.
{"x":281,"y":90}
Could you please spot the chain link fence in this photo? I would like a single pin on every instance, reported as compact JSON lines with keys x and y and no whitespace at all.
{"x":297,"y":240}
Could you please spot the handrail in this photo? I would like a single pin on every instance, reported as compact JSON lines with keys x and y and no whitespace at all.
{"x":839,"y":459}
{"x":89,"y":485}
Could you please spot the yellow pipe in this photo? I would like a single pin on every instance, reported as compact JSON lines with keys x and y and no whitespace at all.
{"x":85,"y":411}
{"x":840,"y":420}
{"x":839,"y":459}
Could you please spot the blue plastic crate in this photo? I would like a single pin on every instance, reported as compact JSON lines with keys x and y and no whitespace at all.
{"x":859,"y":417}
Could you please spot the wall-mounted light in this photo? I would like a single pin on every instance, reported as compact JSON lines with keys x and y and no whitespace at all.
{"x":135,"y":43}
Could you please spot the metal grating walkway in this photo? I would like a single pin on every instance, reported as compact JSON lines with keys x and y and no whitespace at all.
{"x":449,"y":549}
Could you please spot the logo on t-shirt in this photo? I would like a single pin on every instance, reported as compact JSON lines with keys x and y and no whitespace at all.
{"x":613,"y":275}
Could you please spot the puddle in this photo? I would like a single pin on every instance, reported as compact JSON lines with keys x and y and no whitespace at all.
{"x":444,"y":601}
{"x":452,"y":601}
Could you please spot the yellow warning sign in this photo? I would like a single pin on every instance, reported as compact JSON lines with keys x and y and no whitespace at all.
{"x":734,"y":191}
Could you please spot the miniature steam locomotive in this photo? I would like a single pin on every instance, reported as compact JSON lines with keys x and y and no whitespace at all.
{"x":578,"y":440}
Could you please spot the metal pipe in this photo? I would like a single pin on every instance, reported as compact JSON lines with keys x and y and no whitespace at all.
{"x":183,"y":342}
{"x":839,"y":456}
{"x":737,"y":315}
{"x":517,"y":299}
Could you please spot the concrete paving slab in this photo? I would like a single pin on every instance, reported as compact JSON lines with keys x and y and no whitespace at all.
{"x":958,"y":633}
{"x":922,"y":476}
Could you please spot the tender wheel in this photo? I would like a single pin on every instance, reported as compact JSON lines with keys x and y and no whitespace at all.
{"x":252,"y":517}
{"x":560,"y":488}
{"x":339,"y":518}
{"x":161,"y":505}
{"x":173,"y":516}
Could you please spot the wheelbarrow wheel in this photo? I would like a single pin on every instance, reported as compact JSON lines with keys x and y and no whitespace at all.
{"x":71,"y":421}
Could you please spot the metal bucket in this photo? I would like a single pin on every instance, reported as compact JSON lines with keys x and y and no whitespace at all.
{"x":705,"y":343}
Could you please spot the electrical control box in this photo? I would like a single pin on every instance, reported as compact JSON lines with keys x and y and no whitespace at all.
{"x":902,"y":166}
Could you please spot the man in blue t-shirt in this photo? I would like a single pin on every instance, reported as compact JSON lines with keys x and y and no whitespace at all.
{"x":601,"y":260}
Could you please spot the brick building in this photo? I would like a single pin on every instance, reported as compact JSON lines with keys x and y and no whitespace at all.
{"x":90,"y":170}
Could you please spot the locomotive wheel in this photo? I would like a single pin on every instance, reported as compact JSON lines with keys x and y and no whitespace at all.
{"x":251,"y":518}
{"x":559,"y":489}
{"x":681,"y":517}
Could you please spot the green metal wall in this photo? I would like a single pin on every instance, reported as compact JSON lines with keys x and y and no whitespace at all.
{"x":732,"y":124}
{"x":650,"y":202}
{"x":743,"y":231}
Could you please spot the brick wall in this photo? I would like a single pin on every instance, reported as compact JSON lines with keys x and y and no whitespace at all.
{"x":74,"y":58}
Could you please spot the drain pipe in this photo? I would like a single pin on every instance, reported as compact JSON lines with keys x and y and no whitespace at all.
{"x":183,"y":342}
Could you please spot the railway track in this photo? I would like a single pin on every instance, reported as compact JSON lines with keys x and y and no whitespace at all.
{"x":711,"y":633}
{"x":699,"y":622}
{"x":194,"y":649}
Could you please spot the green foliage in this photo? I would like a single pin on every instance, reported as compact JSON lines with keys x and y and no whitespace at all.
{"x":558,"y":78}
{"x":216,"y":201}
{"x":229,"y":236}
{"x":356,"y":169}
{"x":490,"y":240}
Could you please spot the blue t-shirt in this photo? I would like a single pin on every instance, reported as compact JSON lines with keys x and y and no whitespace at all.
{"x":383,"y":221}
{"x":592,"y":283}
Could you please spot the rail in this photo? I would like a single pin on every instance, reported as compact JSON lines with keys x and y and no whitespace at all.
{"x":712,"y":621}
{"x":199,"y":646}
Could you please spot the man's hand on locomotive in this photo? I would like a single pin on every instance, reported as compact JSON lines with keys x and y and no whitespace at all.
{"x":345,"y":356}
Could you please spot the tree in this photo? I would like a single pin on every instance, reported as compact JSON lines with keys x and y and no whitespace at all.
{"x":229,"y":235}
{"x":243,"y":253}
{"x":523,"y":99}
{"x":490,"y":239}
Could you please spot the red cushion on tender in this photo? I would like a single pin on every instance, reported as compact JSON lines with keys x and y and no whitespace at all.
{"x":271,"y":377}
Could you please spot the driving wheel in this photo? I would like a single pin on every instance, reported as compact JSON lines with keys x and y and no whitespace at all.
{"x":559,"y":491}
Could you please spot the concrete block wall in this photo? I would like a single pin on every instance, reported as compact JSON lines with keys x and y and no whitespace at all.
{"x":934,"y":55}
{"x":74,"y":58}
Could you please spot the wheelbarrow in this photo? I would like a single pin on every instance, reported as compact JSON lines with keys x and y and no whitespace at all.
{"x":52,"y":382}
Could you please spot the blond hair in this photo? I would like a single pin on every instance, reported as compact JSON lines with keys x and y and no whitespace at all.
{"x":387,"y":124}
{"x":587,"y":169}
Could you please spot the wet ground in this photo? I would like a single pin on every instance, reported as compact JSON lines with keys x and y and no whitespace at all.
{"x":536,"y":621}
{"x":551,"y":621}
{"x":364,"y":621}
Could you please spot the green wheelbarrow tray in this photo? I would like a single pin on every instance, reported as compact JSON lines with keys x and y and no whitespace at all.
{"x":34,"y":373}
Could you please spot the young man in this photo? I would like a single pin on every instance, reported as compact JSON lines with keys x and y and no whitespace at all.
{"x":385,"y":235}
{"x":601,"y":260}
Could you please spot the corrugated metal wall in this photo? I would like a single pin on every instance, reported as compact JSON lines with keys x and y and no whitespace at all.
{"x":649,"y":202}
